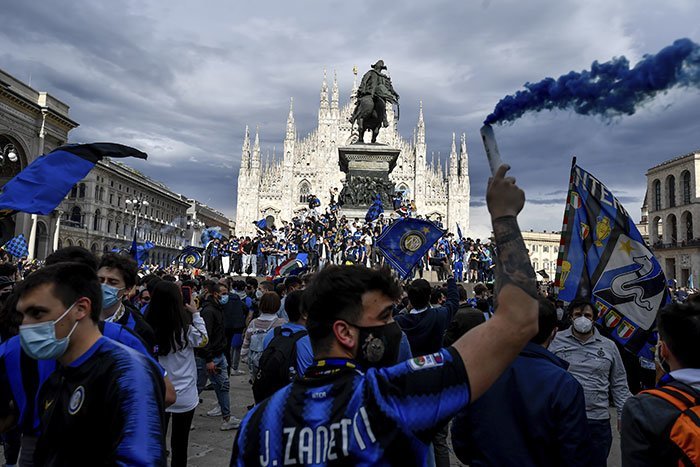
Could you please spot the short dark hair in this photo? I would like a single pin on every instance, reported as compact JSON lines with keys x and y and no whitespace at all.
{"x":419,"y":293}
{"x":251,"y":281}
{"x":463,"y":296}
{"x":292,"y":281}
{"x":547,"y":321}
{"x":70,"y":282}
{"x":269,"y":303}
{"x":292,"y":305}
{"x":436,"y":295}
{"x":580,"y":303}
{"x":72,"y":254}
{"x":9,"y":269}
{"x":336,"y":292}
{"x":267,"y":285}
{"x":211,"y":286}
{"x":480,"y":288}
{"x":679,"y":328}
{"x":125,"y":265}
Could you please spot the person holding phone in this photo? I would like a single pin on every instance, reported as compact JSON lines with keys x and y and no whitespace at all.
{"x":179,"y":329}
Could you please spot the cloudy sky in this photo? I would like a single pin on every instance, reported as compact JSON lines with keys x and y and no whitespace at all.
{"x":181,"y":80}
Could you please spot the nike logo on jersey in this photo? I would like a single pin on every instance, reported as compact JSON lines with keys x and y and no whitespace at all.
{"x":321,"y":444}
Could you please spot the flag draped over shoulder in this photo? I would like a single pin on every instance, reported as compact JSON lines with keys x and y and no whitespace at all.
{"x":603,"y":258}
{"x":44,"y":183}
{"x":191,"y":256}
{"x":17,"y":246}
{"x":406,"y":241}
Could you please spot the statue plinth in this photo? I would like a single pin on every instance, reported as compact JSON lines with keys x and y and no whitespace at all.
{"x":367,"y":167}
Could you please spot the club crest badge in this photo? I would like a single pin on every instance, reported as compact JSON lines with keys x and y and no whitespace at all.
{"x":411,"y":241}
{"x":76,"y":400}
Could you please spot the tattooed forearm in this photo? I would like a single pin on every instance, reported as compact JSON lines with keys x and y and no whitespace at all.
{"x":512,"y":262}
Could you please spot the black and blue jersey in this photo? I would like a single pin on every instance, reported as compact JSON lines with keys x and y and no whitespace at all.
{"x":337,"y":415}
{"x":111,"y":401}
{"x":23,"y":375}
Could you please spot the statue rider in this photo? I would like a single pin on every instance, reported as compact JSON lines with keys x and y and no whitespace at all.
{"x":378,"y":85}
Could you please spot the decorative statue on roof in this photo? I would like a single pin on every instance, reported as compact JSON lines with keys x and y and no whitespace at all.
{"x":374,"y":93}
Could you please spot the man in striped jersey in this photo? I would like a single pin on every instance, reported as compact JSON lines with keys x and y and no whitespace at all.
{"x":351,"y":407}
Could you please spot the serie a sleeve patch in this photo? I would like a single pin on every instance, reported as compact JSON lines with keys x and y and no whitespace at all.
{"x":426,"y":361}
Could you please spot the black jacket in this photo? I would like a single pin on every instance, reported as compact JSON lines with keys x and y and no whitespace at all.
{"x":425,"y":330}
{"x":213,"y":317}
{"x":234,"y":313}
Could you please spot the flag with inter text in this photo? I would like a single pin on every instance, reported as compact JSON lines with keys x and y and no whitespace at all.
{"x":603,"y":258}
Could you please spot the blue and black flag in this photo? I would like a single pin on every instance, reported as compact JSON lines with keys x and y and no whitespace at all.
{"x":603,"y":258}
{"x":192,"y":257}
{"x":44,"y":183}
{"x":406,"y":241}
{"x":139,"y":251}
{"x":375,"y":209}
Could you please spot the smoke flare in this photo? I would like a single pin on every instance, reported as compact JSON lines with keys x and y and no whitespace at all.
{"x":608,"y":89}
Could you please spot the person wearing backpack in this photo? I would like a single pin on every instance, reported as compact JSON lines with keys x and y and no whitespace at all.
{"x":287,"y":351}
{"x":661,"y":427}
{"x":253,"y":347}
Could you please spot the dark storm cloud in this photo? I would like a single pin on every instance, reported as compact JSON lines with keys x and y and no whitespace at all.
{"x":182,"y":80}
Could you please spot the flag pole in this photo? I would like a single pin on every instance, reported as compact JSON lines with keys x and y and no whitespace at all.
{"x":567,"y":225}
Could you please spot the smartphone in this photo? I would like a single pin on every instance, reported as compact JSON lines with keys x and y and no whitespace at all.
{"x":492,"y":153}
{"x":186,"y":294}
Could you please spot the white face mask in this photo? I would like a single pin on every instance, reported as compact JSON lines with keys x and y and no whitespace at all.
{"x":583,"y":325}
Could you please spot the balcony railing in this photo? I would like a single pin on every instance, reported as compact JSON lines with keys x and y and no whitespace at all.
{"x":685,"y":243}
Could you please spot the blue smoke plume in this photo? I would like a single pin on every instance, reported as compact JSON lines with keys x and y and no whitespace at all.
{"x":608,"y":89}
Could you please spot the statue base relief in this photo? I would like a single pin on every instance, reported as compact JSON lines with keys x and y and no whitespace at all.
{"x":367,"y":167}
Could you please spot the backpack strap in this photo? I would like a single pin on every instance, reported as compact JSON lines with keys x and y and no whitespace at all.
{"x":674,"y":395}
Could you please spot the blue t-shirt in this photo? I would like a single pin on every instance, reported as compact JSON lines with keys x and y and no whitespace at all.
{"x":305,"y":355}
{"x":339,"y":415}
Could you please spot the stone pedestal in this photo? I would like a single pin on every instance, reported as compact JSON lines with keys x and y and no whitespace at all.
{"x":367,"y":167}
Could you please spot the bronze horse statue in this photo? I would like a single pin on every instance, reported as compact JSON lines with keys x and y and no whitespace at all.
{"x":370,"y":115}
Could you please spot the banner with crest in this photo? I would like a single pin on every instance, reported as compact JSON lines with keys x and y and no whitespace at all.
{"x":604,"y":258}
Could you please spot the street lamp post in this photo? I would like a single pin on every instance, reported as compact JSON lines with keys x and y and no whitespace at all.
{"x":195,"y":225}
{"x":136,"y":204}
{"x":8,"y":152}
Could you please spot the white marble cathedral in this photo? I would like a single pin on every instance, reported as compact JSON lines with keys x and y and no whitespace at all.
{"x":309,"y":165}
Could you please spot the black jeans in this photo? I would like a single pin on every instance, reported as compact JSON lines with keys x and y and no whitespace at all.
{"x":179,"y":436}
{"x":601,"y":442}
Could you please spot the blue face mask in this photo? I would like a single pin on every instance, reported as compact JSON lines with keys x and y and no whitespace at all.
{"x":224,"y":299}
{"x":39,"y":340}
{"x":110,"y":296}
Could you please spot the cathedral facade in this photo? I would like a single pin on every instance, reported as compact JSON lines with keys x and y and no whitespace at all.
{"x":309,"y":165}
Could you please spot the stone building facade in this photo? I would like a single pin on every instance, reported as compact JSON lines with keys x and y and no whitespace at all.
{"x":673,"y":205}
{"x":543,"y":248}
{"x":95,"y":214}
{"x":31,"y":123}
{"x":309,"y":165}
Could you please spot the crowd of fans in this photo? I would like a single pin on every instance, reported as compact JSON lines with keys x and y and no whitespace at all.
{"x":332,"y":238}
{"x":346,"y":364}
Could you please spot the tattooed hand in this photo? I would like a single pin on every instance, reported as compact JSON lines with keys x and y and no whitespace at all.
{"x":503,"y":197}
{"x":505,"y":200}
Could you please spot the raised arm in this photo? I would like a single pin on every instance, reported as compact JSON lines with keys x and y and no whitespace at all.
{"x":488,"y":349}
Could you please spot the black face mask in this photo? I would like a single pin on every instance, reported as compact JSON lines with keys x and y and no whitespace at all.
{"x":379,"y":345}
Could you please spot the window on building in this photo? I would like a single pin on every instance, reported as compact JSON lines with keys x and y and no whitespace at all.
{"x":109,"y":226}
{"x":304,"y":191}
{"x":81,"y":190}
{"x":74,"y":191}
{"x":76,"y":215}
{"x":119,"y":201}
{"x":97,"y":192}
{"x":116,"y":228}
{"x":96,"y":220}
{"x":111,"y":198}
{"x":685,"y":180}
{"x":657,"y":195}
{"x":687,"y":220}
{"x":671,"y":190}
{"x":545,"y":249}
